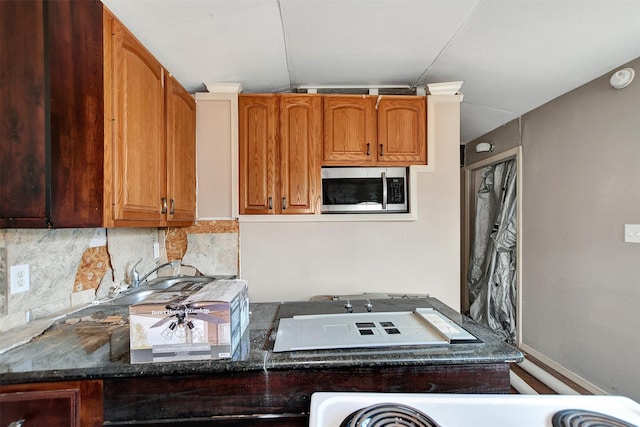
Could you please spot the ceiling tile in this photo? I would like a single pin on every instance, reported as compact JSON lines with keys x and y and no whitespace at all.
{"x":512,"y":55}
{"x":367,"y":42}
{"x":239,"y":42}
{"x":480,"y":119}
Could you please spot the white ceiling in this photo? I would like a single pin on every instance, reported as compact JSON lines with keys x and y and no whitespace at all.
{"x":513,"y":55}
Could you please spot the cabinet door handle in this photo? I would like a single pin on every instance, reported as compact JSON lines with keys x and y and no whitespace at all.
{"x":270,"y":203}
{"x":164,"y":205}
{"x":18,"y":423}
{"x":284,"y":203}
{"x":384,"y":190}
{"x":381,"y":149}
{"x":173,"y":206}
{"x":368,"y":149}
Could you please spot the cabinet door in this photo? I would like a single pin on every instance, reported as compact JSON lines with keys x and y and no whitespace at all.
{"x":75,"y":43}
{"x":139,"y":165}
{"x":23,"y":116}
{"x":402,"y":137}
{"x":181,"y":154}
{"x":258,"y":116}
{"x":349,"y":130}
{"x":63,"y":404}
{"x":300,"y":142}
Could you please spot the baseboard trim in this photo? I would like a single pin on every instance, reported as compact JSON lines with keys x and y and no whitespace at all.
{"x":562,"y":370}
{"x":520,"y":385}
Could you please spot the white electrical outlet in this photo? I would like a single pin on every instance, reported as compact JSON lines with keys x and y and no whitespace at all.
{"x":156,"y":250}
{"x":632,"y":233}
{"x":19,"y":276}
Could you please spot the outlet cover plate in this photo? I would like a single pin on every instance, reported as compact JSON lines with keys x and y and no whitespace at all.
{"x":19,"y":278}
{"x":632,"y":233}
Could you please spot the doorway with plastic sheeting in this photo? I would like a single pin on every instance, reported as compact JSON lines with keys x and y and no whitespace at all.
{"x":492,"y":273}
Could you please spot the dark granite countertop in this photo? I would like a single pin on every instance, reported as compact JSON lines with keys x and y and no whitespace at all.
{"x":94,"y":343}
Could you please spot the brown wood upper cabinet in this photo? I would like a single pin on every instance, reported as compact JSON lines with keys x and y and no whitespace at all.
{"x":94,"y":132}
{"x":181,"y":154}
{"x":153,"y":145}
{"x":363,"y":130}
{"x":280,"y":142}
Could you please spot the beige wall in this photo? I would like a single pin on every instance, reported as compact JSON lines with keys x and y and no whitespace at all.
{"x":581,"y":281}
{"x":502,"y":138}
{"x":297,"y":260}
{"x":216,"y":126}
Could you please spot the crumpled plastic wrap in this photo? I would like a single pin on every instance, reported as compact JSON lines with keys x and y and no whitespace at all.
{"x":492,"y":269}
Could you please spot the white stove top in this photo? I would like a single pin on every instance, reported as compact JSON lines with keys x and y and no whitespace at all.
{"x":423,"y":326}
{"x":478,"y":410}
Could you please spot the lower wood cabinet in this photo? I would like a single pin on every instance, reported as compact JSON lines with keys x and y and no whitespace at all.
{"x":54,"y":404}
{"x":277,"y":397}
{"x":254,"y":398}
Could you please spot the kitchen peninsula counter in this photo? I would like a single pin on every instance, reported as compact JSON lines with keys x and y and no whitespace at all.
{"x":70,"y":350}
{"x":93,"y":344}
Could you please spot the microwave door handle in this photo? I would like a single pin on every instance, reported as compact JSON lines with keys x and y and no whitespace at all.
{"x":384,"y":190}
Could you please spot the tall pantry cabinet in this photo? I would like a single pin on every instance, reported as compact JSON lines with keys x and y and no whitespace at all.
{"x":85,"y":123}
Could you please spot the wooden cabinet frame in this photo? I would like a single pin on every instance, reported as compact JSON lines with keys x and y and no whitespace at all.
{"x":138,"y":146}
{"x":366,"y":130}
{"x":279,"y":149}
{"x":151,"y":164}
{"x":64,"y":404}
{"x":83,"y":123}
{"x":279,"y":397}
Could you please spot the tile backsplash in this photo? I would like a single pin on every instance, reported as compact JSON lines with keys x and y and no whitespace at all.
{"x":69,"y":267}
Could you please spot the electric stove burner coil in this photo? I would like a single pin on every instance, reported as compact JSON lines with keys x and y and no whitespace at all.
{"x":583,"y":418}
{"x":388,"y":415}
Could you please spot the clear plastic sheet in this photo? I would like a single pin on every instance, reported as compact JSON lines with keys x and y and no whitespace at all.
{"x":492,"y":269}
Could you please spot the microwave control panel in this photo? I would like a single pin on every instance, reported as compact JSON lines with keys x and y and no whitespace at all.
{"x":395,"y":190}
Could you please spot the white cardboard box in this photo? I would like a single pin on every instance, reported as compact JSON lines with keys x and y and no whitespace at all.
{"x":179,"y":324}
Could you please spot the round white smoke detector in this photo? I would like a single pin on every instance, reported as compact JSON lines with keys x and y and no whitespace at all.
{"x":622,"y":78}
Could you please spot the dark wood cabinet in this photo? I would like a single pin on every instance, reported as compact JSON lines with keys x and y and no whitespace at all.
{"x":278,"y":397}
{"x":22,"y":111}
{"x":85,"y":121}
{"x":56,"y":404}
{"x":51,"y":114}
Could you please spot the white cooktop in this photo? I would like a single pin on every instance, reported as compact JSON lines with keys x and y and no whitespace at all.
{"x":375,"y":329}
{"x":478,"y":410}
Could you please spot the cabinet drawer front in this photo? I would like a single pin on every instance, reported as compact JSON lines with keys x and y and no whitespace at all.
{"x":53,"y":404}
{"x":52,"y":408}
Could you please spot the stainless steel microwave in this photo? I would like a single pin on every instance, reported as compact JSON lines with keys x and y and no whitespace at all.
{"x":364,"y":190}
